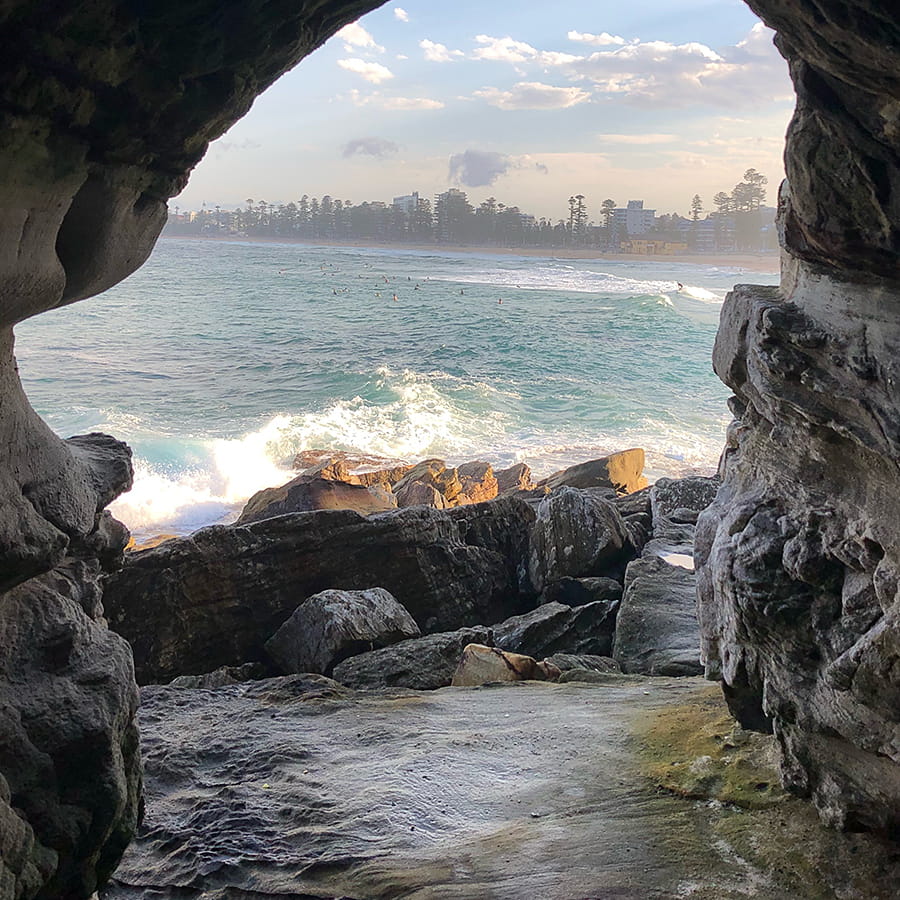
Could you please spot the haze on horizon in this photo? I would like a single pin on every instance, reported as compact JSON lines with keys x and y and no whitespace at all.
{"x":654,"y":100}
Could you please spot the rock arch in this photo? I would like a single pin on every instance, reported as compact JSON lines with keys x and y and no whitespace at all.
{"x":104,"y":110}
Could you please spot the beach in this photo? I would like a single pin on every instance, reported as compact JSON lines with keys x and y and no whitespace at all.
{"x":768,"y":263}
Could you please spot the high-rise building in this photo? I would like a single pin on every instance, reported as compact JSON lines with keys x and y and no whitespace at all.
{"x":633,"y":219}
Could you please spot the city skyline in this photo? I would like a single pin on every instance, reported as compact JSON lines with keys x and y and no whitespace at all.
{"x":659,"y":101}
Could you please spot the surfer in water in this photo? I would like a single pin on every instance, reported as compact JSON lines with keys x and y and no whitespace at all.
{"x":680,"y":285}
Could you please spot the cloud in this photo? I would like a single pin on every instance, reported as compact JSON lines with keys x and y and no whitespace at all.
{"x":225,"y":146}
{"x":638,"y":139}
{"x":659,"y":73}
{"x":603,"y":39}
{"x":354,"y":35}
{"x":477,"y":168}
{"x":439,"y":52}
{"x":374,"y":72}
{"x":533,"y":95}
{"x":507,"y":50}
{"x":540,"y":167}
{"x":401,"y":14}
{"x":401,"y":104}
{"x":369,"y":146}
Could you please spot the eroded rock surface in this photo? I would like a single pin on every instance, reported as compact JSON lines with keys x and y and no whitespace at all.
{"x":298,"y":787}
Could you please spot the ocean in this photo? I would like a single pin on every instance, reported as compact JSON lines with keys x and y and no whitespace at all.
{"x":218,"y":361}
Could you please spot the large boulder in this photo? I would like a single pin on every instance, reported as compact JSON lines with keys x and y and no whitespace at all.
{"x":577,"y":533}
{"x":621,"y":472}
{"x":555,"y":628}
{"x":214,"y":598}
{"x":431,"y":473}
{"x":578,"y":591}
{"x":657,"y":632}
{"x":515,"y":478}
{"x":332,"y":625}
{"x":424,"y":663}
{"x":305,"y":493}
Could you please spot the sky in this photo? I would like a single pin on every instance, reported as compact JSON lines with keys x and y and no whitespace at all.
{"x":526,"y":102}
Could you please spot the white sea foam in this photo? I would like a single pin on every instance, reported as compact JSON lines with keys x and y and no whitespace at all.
{"x":421,"y":421}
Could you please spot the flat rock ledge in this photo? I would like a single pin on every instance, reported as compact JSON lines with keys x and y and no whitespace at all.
{"x":634,"y":788}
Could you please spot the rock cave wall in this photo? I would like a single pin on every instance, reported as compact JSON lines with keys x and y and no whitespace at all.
{"x":800,"y":554}
{"x":106,"y":107}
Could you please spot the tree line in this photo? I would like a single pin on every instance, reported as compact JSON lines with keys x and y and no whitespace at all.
{"x":736,"y":223}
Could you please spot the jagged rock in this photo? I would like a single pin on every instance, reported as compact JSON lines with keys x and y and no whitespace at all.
{"x":306,"y":493}
{"x":799,"y":555}
{"x":424,"y":663}
{"x":636,"y":511}
{"x":578,"y":591}
{"x":502,"y":526}
{"x":622,"y":472}
{"x":554,"y":628}
{"x":431,"y":473}
{"x":417,"y":493}
{"x":576,"y":533}
{"x":680,"y":500}
{"x":477,"y":481}
{"x":387,"y":478}
{"x":222,"y":676}
{"x":486,"y":665}
{"x":70,"y":772}
{"x":134,"y":546}
{"x":332,"y":625}
{"x":515,"y":478}
{"x":214,"y":598}
{"x":656,"y":627}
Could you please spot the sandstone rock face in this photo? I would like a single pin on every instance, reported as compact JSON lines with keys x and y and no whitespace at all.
{"x":214,"y":598}
{"x":332,"y":625}
{"x":515,"y":478}
{"x":478,"y":482}
{"x":424,"y":663}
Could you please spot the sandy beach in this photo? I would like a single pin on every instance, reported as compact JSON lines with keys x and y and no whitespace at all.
{"x":752,"y":262}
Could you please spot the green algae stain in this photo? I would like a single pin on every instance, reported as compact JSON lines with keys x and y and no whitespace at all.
{"x":698,"y":751}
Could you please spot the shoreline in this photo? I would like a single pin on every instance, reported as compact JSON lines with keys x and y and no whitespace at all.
{"x":763,"y":263}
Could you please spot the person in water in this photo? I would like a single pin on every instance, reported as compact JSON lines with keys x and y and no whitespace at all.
{"x":680,"y":285}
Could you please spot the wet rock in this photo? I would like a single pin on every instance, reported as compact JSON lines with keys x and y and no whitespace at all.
{"x":477,"y":481}
{"x":487,"y":665}
{"x":577,"y":533}
{"x":515,"y":478}
{"x":424,"y":663}
{"x":578,"y":591}
{"x":657,"y":632}
{"x":307,"y":492}
{"x":332,"y":625}
{"x":621,"y":472}
{"x":213,"y":599}
{"x":555,"y":628}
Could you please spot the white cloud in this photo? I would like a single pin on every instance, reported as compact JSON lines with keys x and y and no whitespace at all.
{"x":439,"y":52}
{"x":401,"y":14}
{"x":533,"y":95}
{"x":638,"y":139}
{"x":660,"y":73}
{"x":401,"y":104}
{"x":503,"y":49}
{"x":354,"y":35}
{"x":374,"y":72}
{"x":604,"y":39}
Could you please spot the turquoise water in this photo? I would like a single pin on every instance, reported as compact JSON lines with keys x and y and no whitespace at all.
{"x":218,"y":361}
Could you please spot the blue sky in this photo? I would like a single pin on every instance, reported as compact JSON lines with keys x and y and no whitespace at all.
{"x":527,"y":102}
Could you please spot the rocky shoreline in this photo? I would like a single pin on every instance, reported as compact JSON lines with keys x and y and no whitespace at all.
{"x":384,"y":578}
